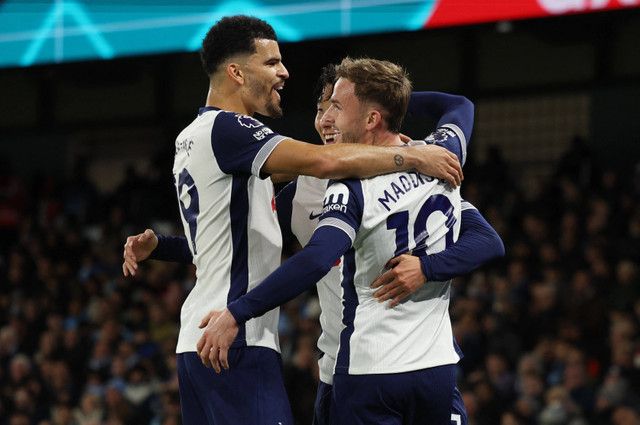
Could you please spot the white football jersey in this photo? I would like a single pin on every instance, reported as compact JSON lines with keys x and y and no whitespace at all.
{"x":229,"y":219}
{"x":386,"y":216}
{"x":306,"y":209}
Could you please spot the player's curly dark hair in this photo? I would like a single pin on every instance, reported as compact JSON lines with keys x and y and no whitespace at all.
{"x":327,"y":77}
{"x":230,"y":36}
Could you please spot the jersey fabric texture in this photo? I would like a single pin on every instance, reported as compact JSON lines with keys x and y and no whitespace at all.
{"x":306,"y":208}
{"x":228,"y":213}
{"x":386,"y":216}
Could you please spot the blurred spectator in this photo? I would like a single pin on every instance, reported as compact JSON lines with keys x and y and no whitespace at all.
{"x":500,"y":376}
{"x":577,"y":382}
{"x":550,"y":333}
{"x":627,"y":286}
{"x":118,"y":409}
{"x":626,"y":415}
{"x":301,"y":377}
{"x":560,"y":409}
{"x":89,"y":411}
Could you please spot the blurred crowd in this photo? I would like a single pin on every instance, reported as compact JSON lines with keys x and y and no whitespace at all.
{"x":550,"y":332}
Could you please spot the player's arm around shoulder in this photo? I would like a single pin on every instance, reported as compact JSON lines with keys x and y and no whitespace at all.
{"x":346,"y":160}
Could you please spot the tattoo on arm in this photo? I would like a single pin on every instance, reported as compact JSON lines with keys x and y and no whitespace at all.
{"x":398,"y":159}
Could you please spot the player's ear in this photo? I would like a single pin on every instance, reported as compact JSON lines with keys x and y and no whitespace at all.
{"x":374,"y":119}
{"x":234,"y":70}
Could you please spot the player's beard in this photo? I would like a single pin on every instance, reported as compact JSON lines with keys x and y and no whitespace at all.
{"x":352,"y":130}
{"x":349,"y":136}
{"x":272,"y":107}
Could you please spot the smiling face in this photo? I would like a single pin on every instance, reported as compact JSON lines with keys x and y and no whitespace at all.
{"x":346,"y":113}
{"x":324,"y":128}
{"x":265,"y":75}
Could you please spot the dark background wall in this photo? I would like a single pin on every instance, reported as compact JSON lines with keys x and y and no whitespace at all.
{"x":537,"y":84}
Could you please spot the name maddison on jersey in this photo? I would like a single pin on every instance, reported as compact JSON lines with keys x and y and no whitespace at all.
{"x":184,"y":145}
{"x":402,"y":184}
{"x":337,"y":198}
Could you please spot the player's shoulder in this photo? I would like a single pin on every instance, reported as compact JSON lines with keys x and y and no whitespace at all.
{"x":467,"y":206}
{"x":311,"y":184}
{"x":235,"y":126}
{"x":235,"y":119}
{"x":350,"y":183}
{"x":311,"y":181}
{"x":343,"y":190}
{"x":440,"y":135}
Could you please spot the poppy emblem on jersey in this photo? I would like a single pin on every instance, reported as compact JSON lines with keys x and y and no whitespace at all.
{"x":441,"y":135}
{"x":247,"y":121}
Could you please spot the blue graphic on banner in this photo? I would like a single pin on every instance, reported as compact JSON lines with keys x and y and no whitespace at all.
{"x":44,"y":32}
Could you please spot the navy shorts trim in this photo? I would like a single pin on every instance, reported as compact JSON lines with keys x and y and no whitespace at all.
{"x":419,"y":397}
{"x":251,"y":392}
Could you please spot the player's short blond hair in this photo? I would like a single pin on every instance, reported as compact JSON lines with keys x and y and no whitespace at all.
{"x":380,"y":82}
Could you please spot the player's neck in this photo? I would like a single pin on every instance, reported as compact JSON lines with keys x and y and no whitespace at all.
{"x":228,"y":99}
{"x":385,"y":138}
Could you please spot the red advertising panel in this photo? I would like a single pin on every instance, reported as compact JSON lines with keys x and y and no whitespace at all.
{"x":461,"y":12}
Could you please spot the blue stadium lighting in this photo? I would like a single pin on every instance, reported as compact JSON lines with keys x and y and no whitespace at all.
{"x":285,"y":32}
{"x":39,"y":32}
{"x":424,"y":13}
{"x":51,"y":28}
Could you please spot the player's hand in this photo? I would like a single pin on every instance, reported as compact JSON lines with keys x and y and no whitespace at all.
{"x":221,"y":329}
{"x":442,"y":164}
{"x":403,"y":278}
{"x":138,"y":248}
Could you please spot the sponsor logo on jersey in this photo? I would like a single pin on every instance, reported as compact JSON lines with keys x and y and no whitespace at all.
{"x":262,"y":133}
{"x":313,"y":216}
{"x":441,"y":135}
{"x":247,"y":121}
{"x":336,"y":198}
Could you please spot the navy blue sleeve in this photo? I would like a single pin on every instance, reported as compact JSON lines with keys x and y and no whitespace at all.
{"x":284,"y":202}
{"x":241,"y":144}
{"x":172,"y":248}
{"x":477,"y":244}
{"x":446,"y":108}
{"x":294,"y":276}
{"x":343,"y":205}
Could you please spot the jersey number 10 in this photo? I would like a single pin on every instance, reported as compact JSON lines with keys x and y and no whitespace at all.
{"x":400,"y":222}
